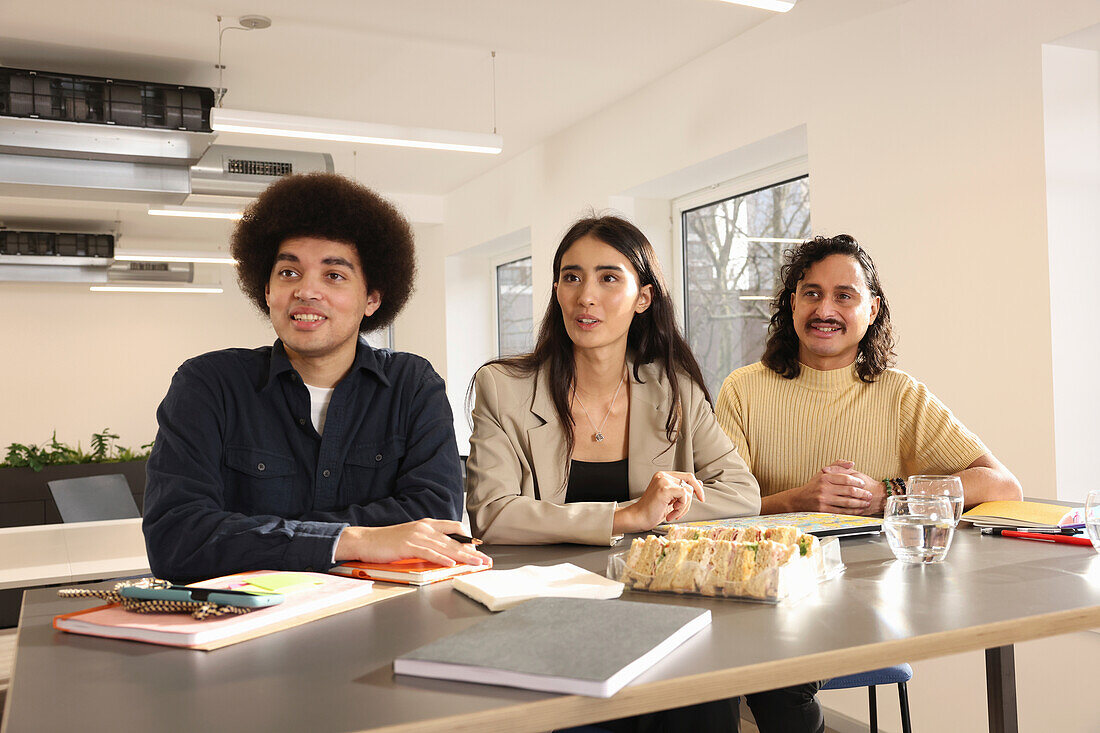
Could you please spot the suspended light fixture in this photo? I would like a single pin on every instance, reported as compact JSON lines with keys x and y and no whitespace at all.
{"x":155,"y":289}
{"x":202,"y":258}
{"x":348,"y":131}
{"x":778,"y":6}
{"x":197,"y":212}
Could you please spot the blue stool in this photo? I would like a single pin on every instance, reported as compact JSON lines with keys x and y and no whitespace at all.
{"x":898,"y":675}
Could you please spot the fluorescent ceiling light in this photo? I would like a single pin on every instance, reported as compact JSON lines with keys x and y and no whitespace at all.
{"x":754,"y":297}
{"x":205,"y":258}
{"x":348,"y":131}
{"x":779,"y":6}
{"x":774,"y":240}
{"x":153,"y":289}
{"x":199,"y":212}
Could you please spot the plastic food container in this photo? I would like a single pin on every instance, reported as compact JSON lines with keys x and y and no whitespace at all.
{"x":725,"y":570}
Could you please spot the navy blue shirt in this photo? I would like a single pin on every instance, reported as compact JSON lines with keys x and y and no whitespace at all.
{"x":239,"y":479}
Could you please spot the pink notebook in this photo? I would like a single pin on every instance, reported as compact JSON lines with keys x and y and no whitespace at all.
{"x":316,"y":595}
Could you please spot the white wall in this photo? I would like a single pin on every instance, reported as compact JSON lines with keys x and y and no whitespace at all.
{"x":77,"y":361}
{"x":1071,"y":115}
{"x":470,"y":292}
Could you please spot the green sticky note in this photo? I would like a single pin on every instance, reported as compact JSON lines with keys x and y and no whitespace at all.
{"x":284,"y":582}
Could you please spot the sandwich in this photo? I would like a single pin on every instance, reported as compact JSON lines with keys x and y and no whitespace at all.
{"x":691,"y":572}
{"x":786,"y":534}
{"x":684,"y":532}
{"x":753,"y":534}
{"x":675,"y":554}
{"x":639,"y":574}
{"x":770,"y":556}
{"x":632,"y":560}
{"x":717,"y":568}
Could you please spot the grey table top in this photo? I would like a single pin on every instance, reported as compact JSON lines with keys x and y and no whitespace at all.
{"x":335,"y":674}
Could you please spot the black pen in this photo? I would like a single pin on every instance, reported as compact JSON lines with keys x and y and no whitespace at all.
{"x":464,"y":539}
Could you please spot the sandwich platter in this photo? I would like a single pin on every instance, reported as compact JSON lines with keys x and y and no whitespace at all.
{"x":764,"y":564}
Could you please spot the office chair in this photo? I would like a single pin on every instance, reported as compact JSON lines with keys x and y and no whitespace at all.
{"x":94,"y":498}
{"x":899,"y":675}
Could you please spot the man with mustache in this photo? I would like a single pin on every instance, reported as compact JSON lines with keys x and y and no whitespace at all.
{"x":318,"y":449}
{"x":822,"y":420}
{"x":826,"y":425}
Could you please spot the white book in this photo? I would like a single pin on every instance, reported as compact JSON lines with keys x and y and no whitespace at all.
{"x":574,"y":646}
{"x":501,"y":589}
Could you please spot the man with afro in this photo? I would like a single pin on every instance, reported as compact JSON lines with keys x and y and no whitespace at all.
{"x":318,"y":449}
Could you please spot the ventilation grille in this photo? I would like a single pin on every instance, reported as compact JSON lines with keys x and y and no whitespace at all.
{"x":148,"y":266}
{"x":259,"y":167}
{"x":56,"y":244}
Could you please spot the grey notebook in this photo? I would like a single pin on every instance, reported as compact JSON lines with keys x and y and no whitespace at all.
{"x":576,"y":646}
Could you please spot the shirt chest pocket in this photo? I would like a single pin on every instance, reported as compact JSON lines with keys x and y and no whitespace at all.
{"x":371,"y":470}
{"x":264,"y":481}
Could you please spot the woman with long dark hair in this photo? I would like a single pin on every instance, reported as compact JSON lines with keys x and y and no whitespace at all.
{"x":606,"y":427}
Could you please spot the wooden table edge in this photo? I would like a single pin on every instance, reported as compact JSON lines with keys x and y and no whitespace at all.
{"x":570,"y":710}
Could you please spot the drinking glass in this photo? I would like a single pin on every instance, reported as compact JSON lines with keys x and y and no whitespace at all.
{"x":919,"y":528}
{"x":948,"y":486}
{"x":1092,"y":517}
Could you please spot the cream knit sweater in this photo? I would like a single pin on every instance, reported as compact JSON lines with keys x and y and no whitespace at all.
{"x":788,"y":429}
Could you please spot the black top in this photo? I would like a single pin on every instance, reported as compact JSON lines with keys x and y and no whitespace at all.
{"x":602,"y":481}
{"x":240,"y":480}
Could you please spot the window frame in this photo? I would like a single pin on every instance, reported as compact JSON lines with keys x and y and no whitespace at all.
{"x":743,"y":185}
{"x":497,"y":261}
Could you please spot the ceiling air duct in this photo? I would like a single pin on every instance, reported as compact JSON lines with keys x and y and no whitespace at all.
{"x":78,"y":257}
{"x":94,"y":138}
{"x":228,"y":170}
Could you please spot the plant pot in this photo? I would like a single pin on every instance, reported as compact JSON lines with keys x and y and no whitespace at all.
{"x":25,"y":497}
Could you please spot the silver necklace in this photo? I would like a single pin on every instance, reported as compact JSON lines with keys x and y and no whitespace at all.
{"x":598,"y":435}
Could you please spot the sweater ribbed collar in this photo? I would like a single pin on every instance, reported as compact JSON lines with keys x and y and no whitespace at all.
{"x":827,"y":381}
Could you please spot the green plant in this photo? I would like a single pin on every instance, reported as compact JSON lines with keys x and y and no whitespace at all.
{"x":54,"y":453}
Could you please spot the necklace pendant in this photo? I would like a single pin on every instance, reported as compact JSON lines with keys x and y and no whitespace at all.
{"x":598,"y":437}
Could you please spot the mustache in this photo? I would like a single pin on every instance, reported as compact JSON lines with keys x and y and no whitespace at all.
{"x":825,"y":322}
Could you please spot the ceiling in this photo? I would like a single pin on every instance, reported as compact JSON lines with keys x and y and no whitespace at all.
{"x":409,"y":62}
{"x":423,"y":63}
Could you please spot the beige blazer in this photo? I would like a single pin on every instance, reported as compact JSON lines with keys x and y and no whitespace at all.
{"x":516,"y":471}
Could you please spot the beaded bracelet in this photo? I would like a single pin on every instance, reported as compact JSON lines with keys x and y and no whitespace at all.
{"x":894,"y":486}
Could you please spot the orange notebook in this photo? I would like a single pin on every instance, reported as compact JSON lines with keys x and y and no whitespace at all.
{"x":410,"y":571}
{"x":324,"y":596}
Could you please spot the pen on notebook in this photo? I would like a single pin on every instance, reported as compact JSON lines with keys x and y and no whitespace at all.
{"x":464,"y":539}
{"x":1060,"y":538}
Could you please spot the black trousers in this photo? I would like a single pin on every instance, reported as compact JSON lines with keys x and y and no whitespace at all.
{"x":786,"y":710}
{"x":793,"y":709}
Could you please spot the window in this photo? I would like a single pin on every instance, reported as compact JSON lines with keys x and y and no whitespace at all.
{"x":732,"y":251}
{"x":514,"y":306}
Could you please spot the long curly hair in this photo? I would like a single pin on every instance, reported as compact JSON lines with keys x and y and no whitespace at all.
{"x":653,"y":335}
{"x":876,"y":348}
{"x":328,"y":206}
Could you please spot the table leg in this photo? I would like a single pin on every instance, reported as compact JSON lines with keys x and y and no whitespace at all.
{"x":1000,"y":687}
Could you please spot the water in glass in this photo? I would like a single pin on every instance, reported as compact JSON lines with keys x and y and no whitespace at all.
{"x":949,"y":487}
{"x":919,"y":528}
{"x":1092,"y":517}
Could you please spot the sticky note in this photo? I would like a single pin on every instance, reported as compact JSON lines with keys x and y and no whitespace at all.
{"x":284,"y":582}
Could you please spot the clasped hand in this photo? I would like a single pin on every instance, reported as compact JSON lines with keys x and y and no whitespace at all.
{"x":667,"y":498}
{"x":841,"y":489}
